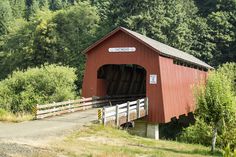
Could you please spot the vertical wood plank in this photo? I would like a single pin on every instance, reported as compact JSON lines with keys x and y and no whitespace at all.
{"x":146,"y":105}
{"x":117,"y":115}
{"x":128,"y":111}
{"x":138,"y":108}
{"x":54,"y":109}
{"x":104,"y":116}
{"x":36,"y":111}
{"x":72,"y":105}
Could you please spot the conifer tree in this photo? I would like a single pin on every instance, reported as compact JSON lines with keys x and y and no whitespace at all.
{"x":5,"y":16}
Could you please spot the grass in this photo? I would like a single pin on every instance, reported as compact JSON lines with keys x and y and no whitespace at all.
{"x":100,"y":141}
{"x":10,"y":117}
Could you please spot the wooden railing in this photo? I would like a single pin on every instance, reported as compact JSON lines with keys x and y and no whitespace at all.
{"x":123,"y":113}
{"x":53,"y":109}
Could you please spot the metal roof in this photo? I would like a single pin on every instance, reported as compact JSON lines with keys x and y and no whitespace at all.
{"x":159,"y":47}
{"x":168,"y":50}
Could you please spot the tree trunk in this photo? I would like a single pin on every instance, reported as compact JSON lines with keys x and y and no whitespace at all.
{"x":214,"y":135}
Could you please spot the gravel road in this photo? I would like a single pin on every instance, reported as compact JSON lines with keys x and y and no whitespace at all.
{"x":23,"y":139}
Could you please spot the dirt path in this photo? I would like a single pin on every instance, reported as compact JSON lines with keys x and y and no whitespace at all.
{"x":18,"y":138}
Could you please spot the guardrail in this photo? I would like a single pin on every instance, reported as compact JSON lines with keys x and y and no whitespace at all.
{"x":124,"y":113}
{"x":54,"y":109}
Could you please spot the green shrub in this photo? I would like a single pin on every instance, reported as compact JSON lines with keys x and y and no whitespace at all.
{"x":3,"y":112}
{"x":228,"y":152}
{"x":228,"y":135}
{"x":215,"y":111}
{"x":199,"y":133}
{"x":22,"y":90}
{"x":229,"y":70}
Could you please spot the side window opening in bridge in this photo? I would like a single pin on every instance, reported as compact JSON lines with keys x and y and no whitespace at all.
{"x":121,"y":80}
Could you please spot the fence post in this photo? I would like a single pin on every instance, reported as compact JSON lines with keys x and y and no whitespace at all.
{"x":128,"y":116}
{"x":36,"y":111}
{"x":69,"y":107}
{"x":72,"y":105}
{"x":117,"y":115}
{"x":146,"y":105}
{"x":54,"y":109}
{"x":93,"y":99}
{"x":84,"y":102}
{"x":104,"y":116}
{"x":138,"y":108}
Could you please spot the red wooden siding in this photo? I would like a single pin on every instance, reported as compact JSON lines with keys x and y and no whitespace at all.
{"x":101,"y":87}
{"x":177,"y":84}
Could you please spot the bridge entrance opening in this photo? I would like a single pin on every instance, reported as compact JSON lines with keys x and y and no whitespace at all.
{"x":121,"y":80}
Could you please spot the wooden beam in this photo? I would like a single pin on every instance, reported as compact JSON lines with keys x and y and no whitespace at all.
{"x":119,"y":82}
{"x":113,"y":73}
{"x":142,"y":87}
{"x":132,"y":81}
{"x":117,"y":115}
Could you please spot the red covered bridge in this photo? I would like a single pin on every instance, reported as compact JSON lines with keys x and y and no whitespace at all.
{"x":127,"y":63}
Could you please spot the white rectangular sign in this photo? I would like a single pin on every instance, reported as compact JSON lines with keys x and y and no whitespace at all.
{"x":153,"y":79}
{"x":122,"y":49}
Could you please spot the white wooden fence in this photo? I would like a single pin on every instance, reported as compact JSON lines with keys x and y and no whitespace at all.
{"x":124,"y":113}
{"x":53,"y":109}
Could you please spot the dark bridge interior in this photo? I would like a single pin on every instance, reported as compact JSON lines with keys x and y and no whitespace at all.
{"x":123,"y":79}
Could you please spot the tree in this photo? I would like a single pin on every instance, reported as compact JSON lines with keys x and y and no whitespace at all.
{"x":32,"y":6}
{"x":220,"y":37}
{"x":43,"y":4}
{"x":51,"y":37}
{"x":17,"y":50}
{"x":222,"y":33}
{"x":18,"y":8}
{"x":5,"y":16}
{"x":200,"y":45}
{"x":56,"y":4}
{"x":60,"y":4}
{"x":215,"y":102}
{"x":207,"y":7}
{"x":76,"y":28}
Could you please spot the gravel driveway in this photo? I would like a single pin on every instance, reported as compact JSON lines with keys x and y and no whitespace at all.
{"x":21,"y":139}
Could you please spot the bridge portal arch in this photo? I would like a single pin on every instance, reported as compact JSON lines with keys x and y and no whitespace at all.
{"x":121,"y":79}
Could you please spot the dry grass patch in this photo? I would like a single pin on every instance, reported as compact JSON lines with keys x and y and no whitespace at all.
{"x":100,"y":141}
{"x":10,"y":117}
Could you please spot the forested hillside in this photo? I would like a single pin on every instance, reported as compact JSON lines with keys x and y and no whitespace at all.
{"x":34,"y":32}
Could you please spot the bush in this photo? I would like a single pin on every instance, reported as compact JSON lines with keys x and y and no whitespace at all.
{"x":199,"y":133}
{"x":228,"y":135}
{"x":229,"y":70}
{"x":228,"y":152}
{"x":215,"y":110}
{"x":22,"y":90}
{"x":3,"y":112}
